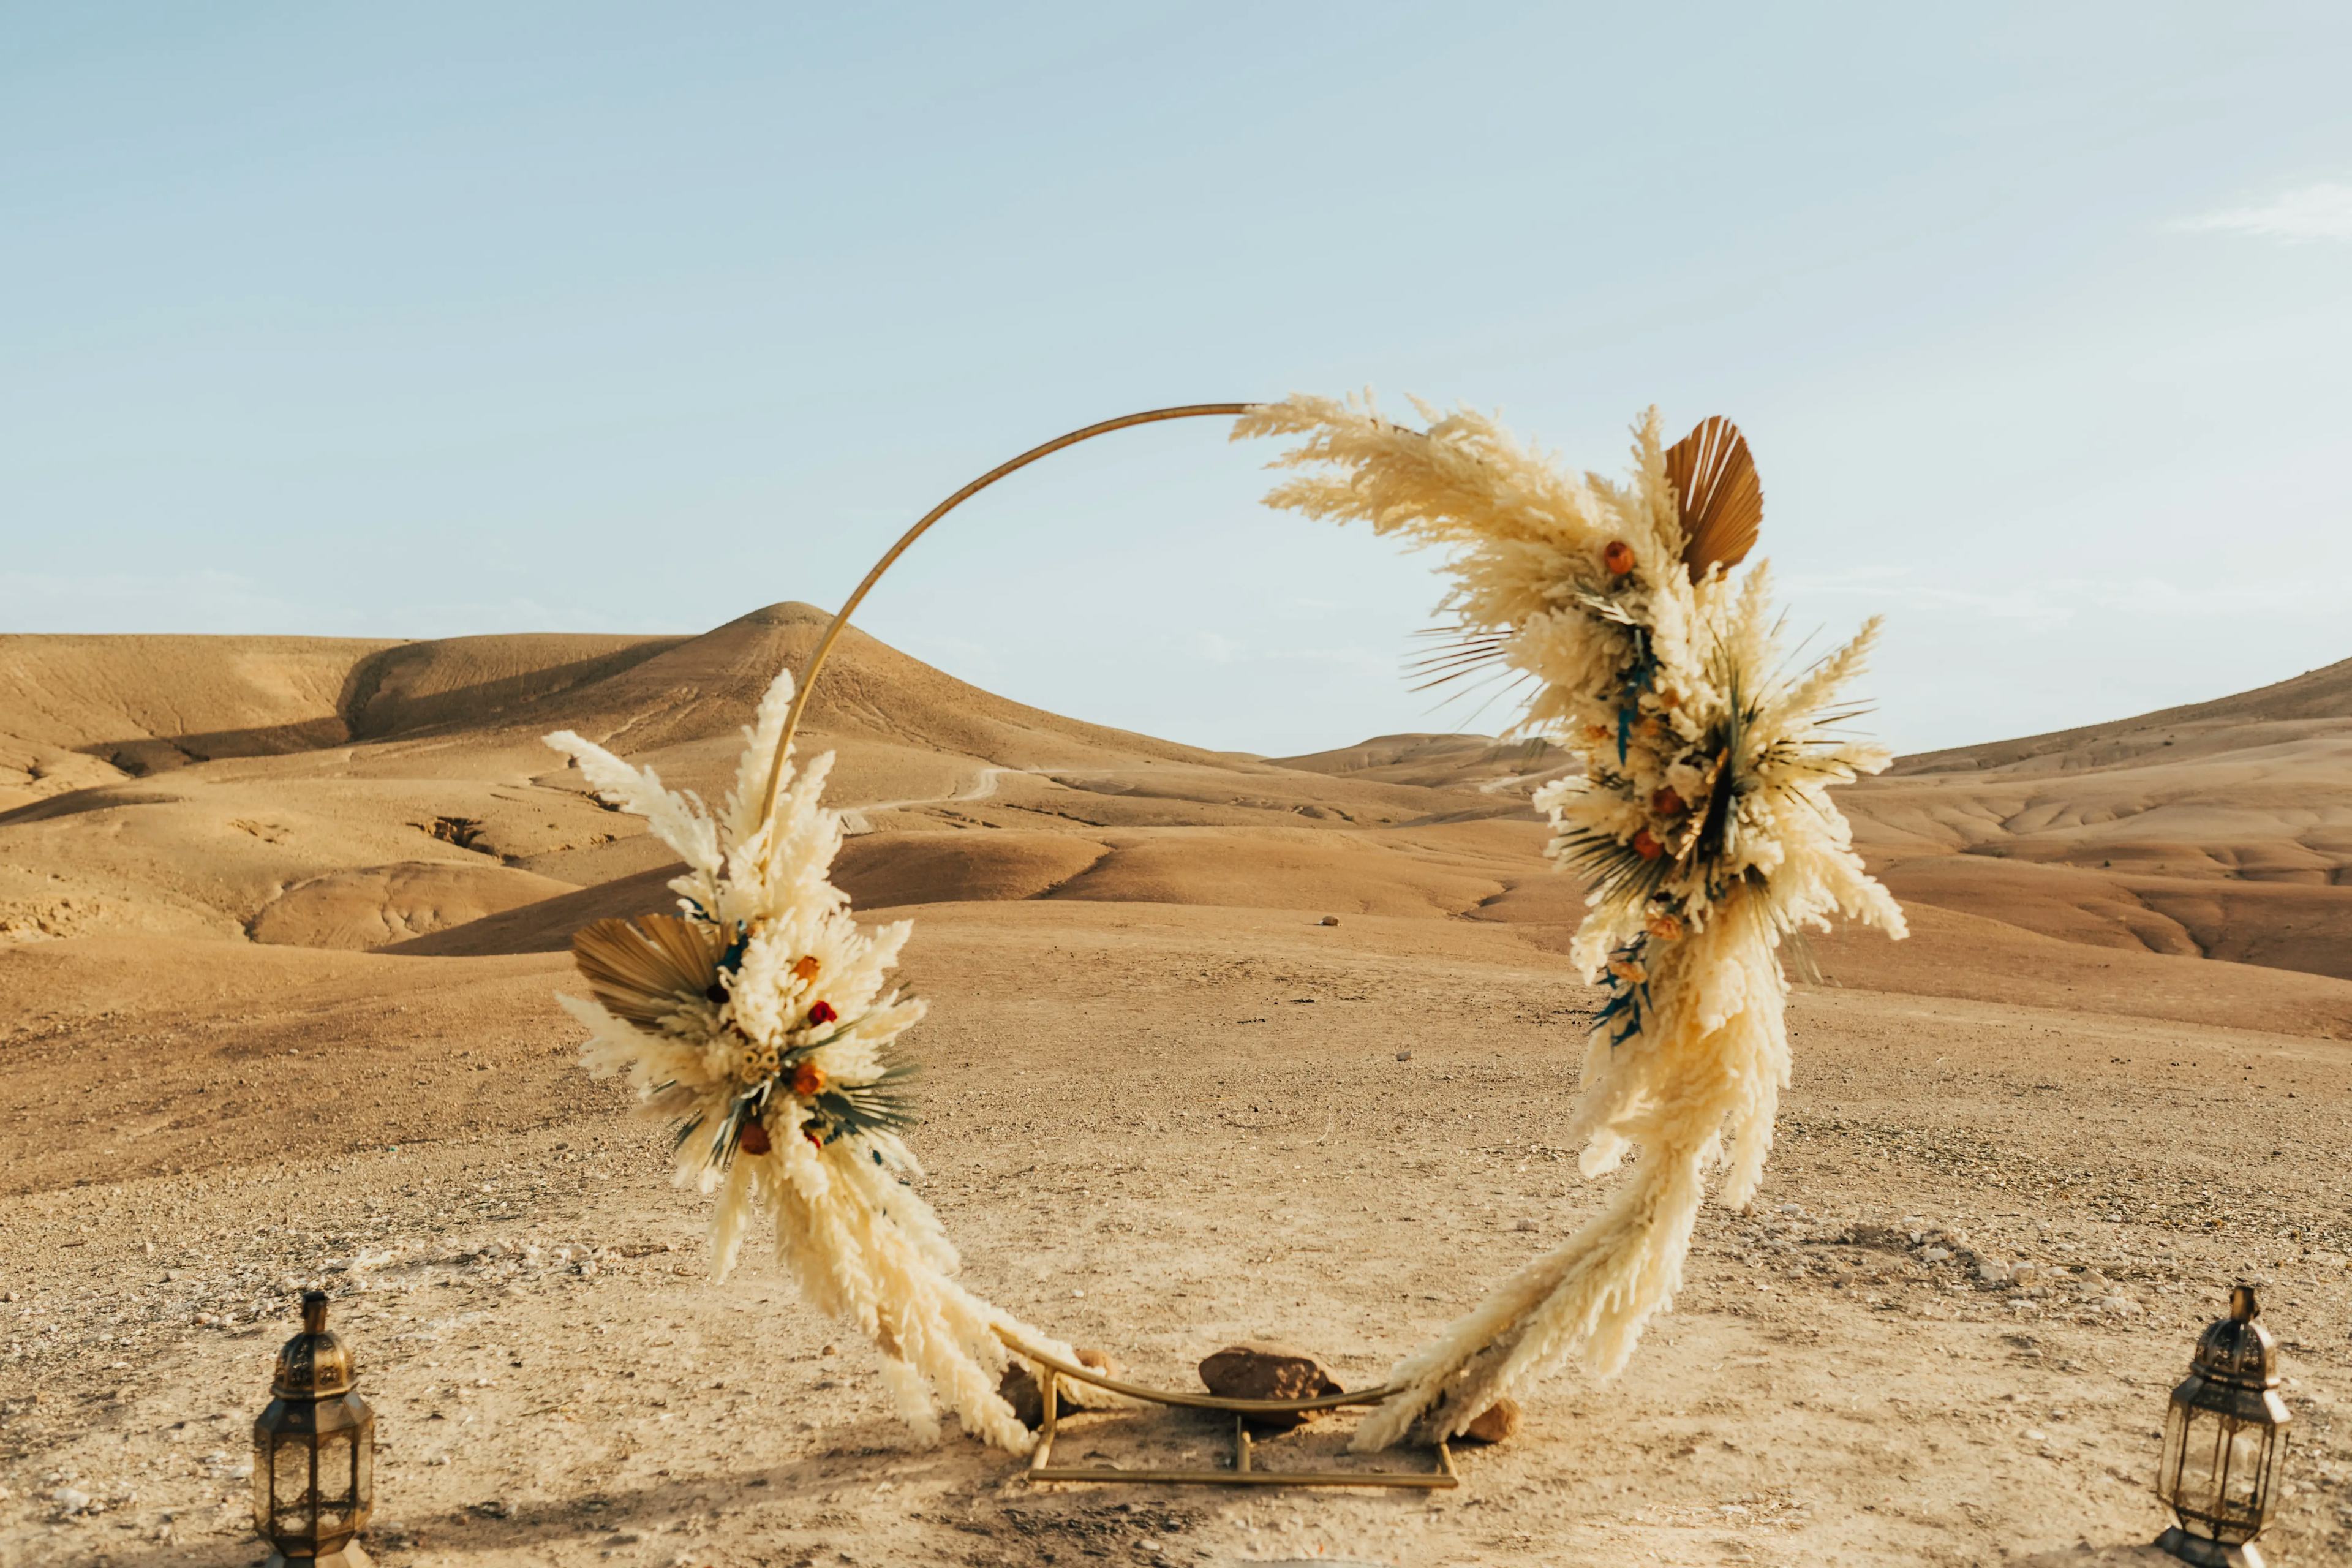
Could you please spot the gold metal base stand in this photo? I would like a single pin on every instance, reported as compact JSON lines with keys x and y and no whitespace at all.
{"x":1051,"y":1370}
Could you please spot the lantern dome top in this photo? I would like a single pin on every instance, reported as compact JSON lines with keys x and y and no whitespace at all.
{"x":2236,"y":1349}
{"x":313,"y":1364}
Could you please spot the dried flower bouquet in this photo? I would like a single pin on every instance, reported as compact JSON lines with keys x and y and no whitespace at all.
{"x":763,"y":1020}
{"x":1701,"y":820}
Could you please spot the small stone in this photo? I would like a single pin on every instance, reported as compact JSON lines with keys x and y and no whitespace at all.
{"x":1992,"y":1271}
{"x":1526,"y":1225}
{"x":71,"y":1498}
{"x":1255,"y":1370}
{"x":2026,"y":1275}
{"x":1018,"y":1388}
{"x":1404,"y":1055}
{"x":2123,"y":1306}
{"x":1936,"y":1255}
{"x":1328,"y":921}
{"x":1497,"y":1423}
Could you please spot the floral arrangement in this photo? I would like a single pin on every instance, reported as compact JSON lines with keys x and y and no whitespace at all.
{"x":1701,"y":821}
{"x":762,"y":1022}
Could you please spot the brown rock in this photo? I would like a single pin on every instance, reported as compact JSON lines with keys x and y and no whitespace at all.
{"x":1252,"y":1370}
{"x":1498,"y":1422}
{"x":1018,"y":1388}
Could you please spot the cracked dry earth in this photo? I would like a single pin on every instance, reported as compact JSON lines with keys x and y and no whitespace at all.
{"x":1945,"y":1334}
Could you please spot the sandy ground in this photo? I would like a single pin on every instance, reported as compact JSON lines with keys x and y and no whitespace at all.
{"x":280,"y":919}
{"x":1155,"y":1128}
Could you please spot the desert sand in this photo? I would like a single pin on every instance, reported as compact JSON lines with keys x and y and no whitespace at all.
{"x":280,"y":919}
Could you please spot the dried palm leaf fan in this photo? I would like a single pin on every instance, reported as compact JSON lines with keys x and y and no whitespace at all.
{"x":646,"y":969}
{"x":1715,"y":488}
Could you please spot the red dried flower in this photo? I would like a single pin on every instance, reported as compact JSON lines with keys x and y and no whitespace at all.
{"x":822,"y":1013}
{"x":1647,"y":848}
{"x":1667,"y":803}
{"x":1618,"y":557}
{"x":754,"y":1139}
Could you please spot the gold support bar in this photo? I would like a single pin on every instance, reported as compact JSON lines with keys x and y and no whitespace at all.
{"x":1051,"y":1370}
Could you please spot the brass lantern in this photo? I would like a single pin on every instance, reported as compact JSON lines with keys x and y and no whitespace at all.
{"x":2223,"y":1437}
{"x":313,"y":1452}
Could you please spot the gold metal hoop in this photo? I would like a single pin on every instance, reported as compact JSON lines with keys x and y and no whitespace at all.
{"x":807,"y":681}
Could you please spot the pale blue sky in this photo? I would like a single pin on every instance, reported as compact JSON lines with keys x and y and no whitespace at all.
{"x":427,"y":319}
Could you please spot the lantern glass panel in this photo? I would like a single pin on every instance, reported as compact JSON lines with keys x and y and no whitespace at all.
{"x":290,"y":1488}
{"x":2191,"y":1462}
{"x":364,"y":1472}
{"x":335,"y":1478}
{"x":261,"y":1475}
{"x":2248,"y":1476}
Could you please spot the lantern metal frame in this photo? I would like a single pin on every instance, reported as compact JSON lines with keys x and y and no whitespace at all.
{"x":2228,"y":1420}
{"x":317,"y":1421}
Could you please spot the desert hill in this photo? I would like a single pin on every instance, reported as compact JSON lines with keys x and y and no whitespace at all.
{"x":366,"y":794}
{"x":2317,"y":703}
{"x":357,"y":793}
{"x":1441,"y":762}
{"x":2221,"y":829}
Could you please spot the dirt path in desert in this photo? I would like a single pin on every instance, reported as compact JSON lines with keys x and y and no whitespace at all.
{"x":1183,"y":1127}
{"x":982,"y":787}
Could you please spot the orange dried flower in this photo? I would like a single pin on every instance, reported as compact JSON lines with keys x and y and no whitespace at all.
{"x":1618,"y":557}
{"x":1667,"y":803}
{"x":1646,"y":847}
{"x":808,"y":1080}
{"x":754,"y":1139}
{"x":1665,"y":927}
{"x":806,"y":968}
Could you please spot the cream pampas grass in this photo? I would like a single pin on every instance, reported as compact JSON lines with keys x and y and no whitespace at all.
{"x":1701,"y":820}
{"x":762,"y":1021}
